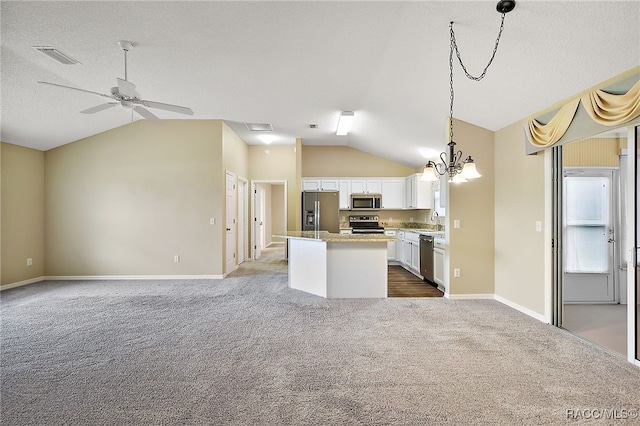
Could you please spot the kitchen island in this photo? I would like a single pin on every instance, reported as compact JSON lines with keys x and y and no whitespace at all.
{"x":338,"y":265}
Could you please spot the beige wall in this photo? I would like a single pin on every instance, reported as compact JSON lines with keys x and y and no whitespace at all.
{"x":277,"y":211}
{"x":125,"y":201}
{"x":277,"y":163}
{"x":341,"y":161}
{"x":235,"y":153}
{"x":593,"y":152}
{"x":22,"y":213}
{"x":471,"y":247}
{"x":519,"y":203}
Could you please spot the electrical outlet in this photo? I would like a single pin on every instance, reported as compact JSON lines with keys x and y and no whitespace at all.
{"x":538,"y":226}
{"x":29,"y":261}
{"x":456,"y":272}
{"x":456,"y":223}
{"x":410,"y":219}
{"x":176,"y":258}
{"x":212,"y":221}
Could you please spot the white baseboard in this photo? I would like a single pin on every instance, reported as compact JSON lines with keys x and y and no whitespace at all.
{"x":21,"y":283}
{"x":522,"y":309}
{"x":468,"y":296}
{"x":132,"y":277}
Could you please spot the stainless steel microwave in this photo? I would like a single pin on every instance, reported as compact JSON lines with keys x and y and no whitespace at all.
{"x":366,"y":201}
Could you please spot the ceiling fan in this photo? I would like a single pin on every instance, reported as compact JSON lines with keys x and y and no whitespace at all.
{"x":125,"y":94}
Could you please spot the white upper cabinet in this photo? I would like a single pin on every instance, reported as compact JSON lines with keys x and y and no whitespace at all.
{"x":419,"y":194}
{"x":397,"y":193}
{"x":393,"y":193}
{"x":345,"y":194}
{"x":311,"y":184}
{"x":320,"y":184}
{"x":366,"y":186}
{"x":330,"y":184}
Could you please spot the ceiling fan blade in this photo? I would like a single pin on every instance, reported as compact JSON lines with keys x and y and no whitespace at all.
{"x":126,"y":88}
{"x":167,"y":107}
{"x":145,"y":113}
{"x":75,"y":88}
{"x":99,"y":108}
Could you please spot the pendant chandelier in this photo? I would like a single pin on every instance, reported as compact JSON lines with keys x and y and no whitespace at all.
{"x":459,"y":171}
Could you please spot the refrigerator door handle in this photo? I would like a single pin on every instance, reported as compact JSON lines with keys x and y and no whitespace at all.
{"x":316,"y":226}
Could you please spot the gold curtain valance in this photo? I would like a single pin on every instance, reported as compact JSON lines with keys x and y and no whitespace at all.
{"x":544,"y":135}
{"x":604,"y":108}
{"x":613,"y":110}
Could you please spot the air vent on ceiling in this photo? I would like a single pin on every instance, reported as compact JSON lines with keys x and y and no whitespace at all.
{"x":259,"y":127}
{"x":54,"y":53}
{"x":313,"y":126}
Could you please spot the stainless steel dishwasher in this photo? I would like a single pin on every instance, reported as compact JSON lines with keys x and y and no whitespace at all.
{"x":426,"y":257}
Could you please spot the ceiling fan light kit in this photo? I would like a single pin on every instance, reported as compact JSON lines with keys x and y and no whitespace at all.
{"x":451,"y":165}
{"x":125,"y":95}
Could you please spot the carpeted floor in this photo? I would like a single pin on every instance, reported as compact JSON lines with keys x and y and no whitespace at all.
{"x":247,"y":350}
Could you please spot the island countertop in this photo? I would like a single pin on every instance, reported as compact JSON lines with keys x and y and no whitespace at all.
{"x":335,"y":238}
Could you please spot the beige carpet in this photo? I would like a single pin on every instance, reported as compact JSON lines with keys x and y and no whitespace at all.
{"x":247,"y":350}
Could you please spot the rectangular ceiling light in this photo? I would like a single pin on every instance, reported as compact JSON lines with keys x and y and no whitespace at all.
{"x":54,"y":53}
{"x":259,"y":127}
{"x":345,"y":122}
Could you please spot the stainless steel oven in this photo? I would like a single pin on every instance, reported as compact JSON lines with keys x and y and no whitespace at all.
{"x":365,"y":225}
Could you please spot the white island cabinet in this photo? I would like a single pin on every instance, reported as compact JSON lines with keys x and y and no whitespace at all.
{"x":337,"y":265}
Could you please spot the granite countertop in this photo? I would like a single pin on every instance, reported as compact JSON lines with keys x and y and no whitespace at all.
{"x":423,"y":231}
{"x":336,"y":238}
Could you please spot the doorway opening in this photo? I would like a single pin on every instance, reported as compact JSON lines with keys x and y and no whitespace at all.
{"x":590,"y":212}
{"x":268,"y":214}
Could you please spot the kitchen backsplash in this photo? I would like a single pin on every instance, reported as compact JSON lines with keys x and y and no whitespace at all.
{"x":410,"y":219}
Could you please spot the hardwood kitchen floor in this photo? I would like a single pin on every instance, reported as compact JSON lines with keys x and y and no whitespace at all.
{"x":402,"y":283}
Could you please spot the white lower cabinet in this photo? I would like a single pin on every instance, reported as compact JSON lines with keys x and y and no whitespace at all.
{"x":438,"y":262}
{"x":415,"y":257}
{"x":399,"y":247}
{"x":391,"y":245}
{"x":408,"y":251}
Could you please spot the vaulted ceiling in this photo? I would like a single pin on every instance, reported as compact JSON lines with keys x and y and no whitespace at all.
{"x":293,"y":64}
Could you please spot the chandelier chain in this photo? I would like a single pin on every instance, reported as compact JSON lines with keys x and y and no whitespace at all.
{"x":495,"y":50}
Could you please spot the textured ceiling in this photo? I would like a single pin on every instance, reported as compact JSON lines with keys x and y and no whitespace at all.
{"x":292,"y":64}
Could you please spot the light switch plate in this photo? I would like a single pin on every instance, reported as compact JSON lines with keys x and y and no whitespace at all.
{"x":456,"y":223}
{"x":538,"y":226}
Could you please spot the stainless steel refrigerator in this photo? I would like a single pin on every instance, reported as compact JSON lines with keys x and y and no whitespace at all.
{"x":321,"y":211}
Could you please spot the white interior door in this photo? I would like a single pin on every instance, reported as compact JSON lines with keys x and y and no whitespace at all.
{"x":258,"y":204}
{"x":588,"y":236}
{"x":231,"y":222}
{"x":242,"y":223}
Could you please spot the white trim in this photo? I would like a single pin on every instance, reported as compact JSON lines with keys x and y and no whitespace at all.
{"x":527,"y":311}
{"x":468,"y":296}
{"x":131,"y":277}
{"x":21,"y":283}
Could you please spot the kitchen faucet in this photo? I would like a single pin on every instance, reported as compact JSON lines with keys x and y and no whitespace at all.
{"x":436,"y":218}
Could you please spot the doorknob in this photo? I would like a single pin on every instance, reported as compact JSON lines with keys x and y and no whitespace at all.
{"x":228,"y":229}
{"x":611,"y":240}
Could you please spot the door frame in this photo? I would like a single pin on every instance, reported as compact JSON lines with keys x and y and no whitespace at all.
{"x":231,"y":224}
{"x":253,"y":209}
{"x":243,"y":228}
{"x":613,"y":228}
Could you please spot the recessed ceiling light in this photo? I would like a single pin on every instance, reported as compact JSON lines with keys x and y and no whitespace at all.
{"x":259,"y":127}
{"x":345,"y":122}
{"x":59,"y":56}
